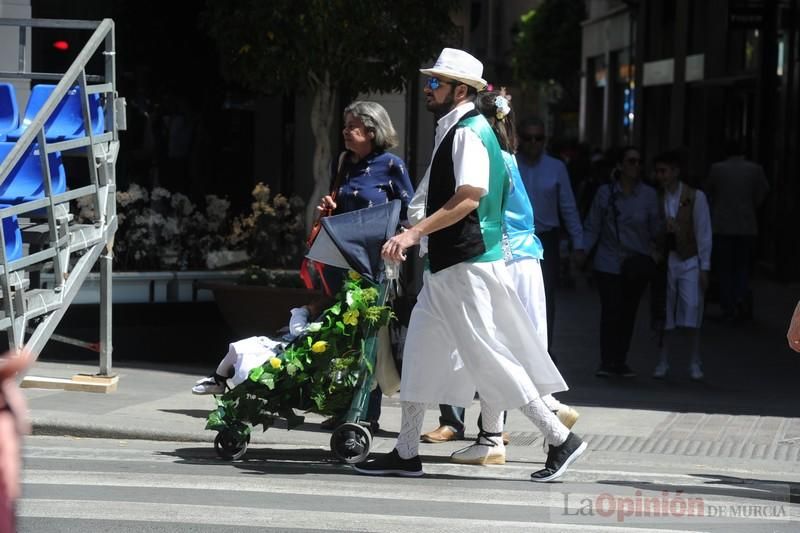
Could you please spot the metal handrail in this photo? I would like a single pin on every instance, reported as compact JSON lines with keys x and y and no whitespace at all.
{"x":67,"y":82}
{"x":100,"y":150}
{"x":67,"y":24}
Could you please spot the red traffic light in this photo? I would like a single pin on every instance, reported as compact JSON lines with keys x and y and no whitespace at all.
{"x":61,"y":45}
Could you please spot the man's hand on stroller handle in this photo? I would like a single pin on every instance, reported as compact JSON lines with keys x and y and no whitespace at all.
{"x":395,"y":248}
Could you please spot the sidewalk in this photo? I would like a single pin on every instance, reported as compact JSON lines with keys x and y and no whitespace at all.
{"x":747,"y":409}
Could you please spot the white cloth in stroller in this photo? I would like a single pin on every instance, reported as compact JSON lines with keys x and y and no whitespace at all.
{"x":247,"y":354}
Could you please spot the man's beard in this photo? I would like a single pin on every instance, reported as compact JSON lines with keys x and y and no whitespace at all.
{"x":441,"y":109}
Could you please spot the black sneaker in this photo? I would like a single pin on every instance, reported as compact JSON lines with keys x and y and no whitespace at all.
{"x":391,"y":464}
{"x":603,"y":372}
{"x":624,"y":371}
{"x":559,"y":458}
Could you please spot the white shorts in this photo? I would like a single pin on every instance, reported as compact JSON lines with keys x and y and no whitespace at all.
{"x":684,"y":295}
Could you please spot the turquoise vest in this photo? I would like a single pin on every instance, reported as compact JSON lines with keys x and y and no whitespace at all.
{"x":492,"y":205}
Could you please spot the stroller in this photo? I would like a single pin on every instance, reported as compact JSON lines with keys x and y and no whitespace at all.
{"x":329,"y":368}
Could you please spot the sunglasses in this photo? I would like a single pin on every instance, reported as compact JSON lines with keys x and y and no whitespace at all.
{"x":527,"y":138}
{"x":633,"y":161}
{"x":434,"y":83}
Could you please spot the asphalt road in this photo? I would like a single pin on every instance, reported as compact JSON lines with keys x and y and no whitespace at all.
{"x":87,"y":485}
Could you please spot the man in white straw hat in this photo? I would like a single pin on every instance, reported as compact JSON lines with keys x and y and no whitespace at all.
{"x":468,"y":323}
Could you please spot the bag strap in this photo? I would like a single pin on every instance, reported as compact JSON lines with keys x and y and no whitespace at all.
{"x":337,"y":180}
{"x":612,"y":204}
{"x":307,"y":265}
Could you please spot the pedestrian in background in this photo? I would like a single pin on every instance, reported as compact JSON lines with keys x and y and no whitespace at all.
{"x":793,"y":335}
{"x":736,"y":190}
{"x":548,"y":186}
{"x":688,"y":261}
{"x":13,"y":424}
{"x":625,"y":224}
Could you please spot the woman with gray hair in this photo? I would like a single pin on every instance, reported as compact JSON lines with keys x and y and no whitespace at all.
{"x":367,"y":174}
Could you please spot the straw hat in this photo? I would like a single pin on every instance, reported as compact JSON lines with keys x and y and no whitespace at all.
{"x":458,"y":65}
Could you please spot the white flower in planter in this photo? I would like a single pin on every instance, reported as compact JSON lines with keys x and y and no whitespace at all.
{"x":159,"y":193}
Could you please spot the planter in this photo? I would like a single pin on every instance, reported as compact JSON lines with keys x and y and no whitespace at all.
{"x":253,"y":310}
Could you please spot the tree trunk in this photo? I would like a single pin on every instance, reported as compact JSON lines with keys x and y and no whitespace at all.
{"x":322,"y":114}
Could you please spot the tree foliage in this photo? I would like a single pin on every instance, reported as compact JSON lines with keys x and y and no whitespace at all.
{"x":370,"y":45}
{"x":363,"y":45}
{"x":548,"y":44}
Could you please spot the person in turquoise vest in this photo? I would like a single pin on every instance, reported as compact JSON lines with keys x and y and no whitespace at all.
{"x":522,"y":253}
{"x":468,"y":324}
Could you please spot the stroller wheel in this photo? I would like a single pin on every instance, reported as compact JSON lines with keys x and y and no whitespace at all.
{"x":228,"y":445}
{"x":351,"y":442}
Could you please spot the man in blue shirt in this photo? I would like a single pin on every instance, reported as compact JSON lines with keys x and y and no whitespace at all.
{"x":547,"y":183}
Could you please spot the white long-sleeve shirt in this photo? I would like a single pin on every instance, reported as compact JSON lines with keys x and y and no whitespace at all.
{"x":470,"y":164}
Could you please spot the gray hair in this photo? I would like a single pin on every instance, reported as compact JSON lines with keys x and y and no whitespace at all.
{"x":377,"y":120}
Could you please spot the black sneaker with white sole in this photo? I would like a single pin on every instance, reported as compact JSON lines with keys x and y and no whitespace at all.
{"x":391,"y":464}
{"x":559,"y":458}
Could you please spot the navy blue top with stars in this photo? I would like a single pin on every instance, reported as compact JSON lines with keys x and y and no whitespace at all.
{"x":376,"y":179}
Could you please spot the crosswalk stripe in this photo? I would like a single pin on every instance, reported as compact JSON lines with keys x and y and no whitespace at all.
{"x":544,"y":497}
{"x":377,"y":488}
{"x":274,"y":518}
{"x":578,"y":473}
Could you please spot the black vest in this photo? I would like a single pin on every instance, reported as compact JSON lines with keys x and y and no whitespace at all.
{"x":463,"y":240}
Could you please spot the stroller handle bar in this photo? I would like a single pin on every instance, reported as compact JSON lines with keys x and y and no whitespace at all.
{"x":391,"y":270}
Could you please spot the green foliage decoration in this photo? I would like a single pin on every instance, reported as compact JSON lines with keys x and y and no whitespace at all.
{"x":318,"y":372}
{"x":366,"y":45}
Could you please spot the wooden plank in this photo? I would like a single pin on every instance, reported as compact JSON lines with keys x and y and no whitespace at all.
{"x":96,"y":378}
{"x":84,"y":383}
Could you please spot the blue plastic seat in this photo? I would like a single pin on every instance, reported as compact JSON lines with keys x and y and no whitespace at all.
{"x":26,"y":181}
{"x":13,"y":237}
{"x":66,"y":122}
{"x":9,"y":112}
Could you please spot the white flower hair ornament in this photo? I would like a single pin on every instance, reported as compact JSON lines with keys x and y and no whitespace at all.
{"x":503,"y":107}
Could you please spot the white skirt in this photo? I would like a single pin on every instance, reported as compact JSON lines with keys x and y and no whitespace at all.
{"x":468,"y":332}
{"x":526,"y":273}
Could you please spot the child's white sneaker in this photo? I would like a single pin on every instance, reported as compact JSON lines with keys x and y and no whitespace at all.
{"x":208,"y":385}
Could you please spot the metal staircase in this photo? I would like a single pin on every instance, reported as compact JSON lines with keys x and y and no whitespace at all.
{"x":52,"y":240}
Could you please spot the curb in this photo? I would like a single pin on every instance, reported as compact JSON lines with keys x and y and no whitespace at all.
{"x":50,"y":428}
